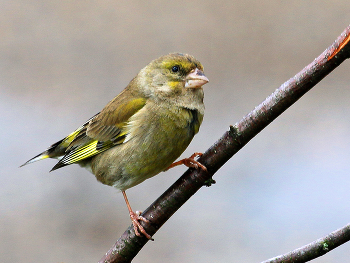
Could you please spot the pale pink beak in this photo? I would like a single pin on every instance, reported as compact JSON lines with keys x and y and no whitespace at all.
{"x":196,"y":79}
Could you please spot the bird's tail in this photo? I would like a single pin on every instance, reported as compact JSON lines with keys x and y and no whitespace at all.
{"x":59,"y":149}
{"x":53,"y":151}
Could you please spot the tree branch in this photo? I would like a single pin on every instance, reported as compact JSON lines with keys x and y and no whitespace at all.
{"x":128,"y":245}
{"x":315,"y":249}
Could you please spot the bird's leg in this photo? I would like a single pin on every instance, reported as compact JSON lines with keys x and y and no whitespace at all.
{"x":190,"y":162}
{"x":135,"y":217}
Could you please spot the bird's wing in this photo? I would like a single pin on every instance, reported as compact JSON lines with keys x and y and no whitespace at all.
{"x":103,"y":131}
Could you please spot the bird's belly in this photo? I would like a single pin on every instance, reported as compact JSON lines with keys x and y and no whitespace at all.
{"x":143,"y":156}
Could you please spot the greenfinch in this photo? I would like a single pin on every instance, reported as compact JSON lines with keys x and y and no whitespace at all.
{"x":142,"y":131}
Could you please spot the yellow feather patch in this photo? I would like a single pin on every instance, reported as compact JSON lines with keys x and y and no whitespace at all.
{"x":67,"y":141}
{"x":44,"y":157}
{"x":134,"y":105}
{"x":84,"y":152}
{"x":173,"y":84}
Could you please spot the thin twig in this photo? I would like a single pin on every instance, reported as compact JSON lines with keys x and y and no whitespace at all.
{"x":128,"y":245}
{"x":316,"y":248}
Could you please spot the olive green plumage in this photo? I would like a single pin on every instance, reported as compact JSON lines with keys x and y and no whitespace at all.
{"x":141,"y":131}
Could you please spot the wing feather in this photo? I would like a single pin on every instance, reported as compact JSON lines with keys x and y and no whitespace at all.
{"x":105,"y":130}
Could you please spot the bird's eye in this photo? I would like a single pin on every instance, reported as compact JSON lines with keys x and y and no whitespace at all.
{"x":175,"y":69}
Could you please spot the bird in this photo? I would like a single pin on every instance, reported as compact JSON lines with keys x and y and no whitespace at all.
{"x":142,"y":131}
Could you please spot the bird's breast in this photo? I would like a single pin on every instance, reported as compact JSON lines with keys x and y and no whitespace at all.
{"x":156,"y":138}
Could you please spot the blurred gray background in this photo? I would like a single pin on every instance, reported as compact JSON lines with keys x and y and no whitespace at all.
{"x":62,"y":61}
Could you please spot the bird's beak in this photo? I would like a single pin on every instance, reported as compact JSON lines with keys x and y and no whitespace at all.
{"x":195,"y":79}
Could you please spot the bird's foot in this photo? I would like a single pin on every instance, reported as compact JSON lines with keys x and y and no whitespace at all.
{"x":135,"y":218}
{"x":190,"y":162}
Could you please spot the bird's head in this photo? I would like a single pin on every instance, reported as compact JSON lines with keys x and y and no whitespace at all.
{"x":172,"y":75}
